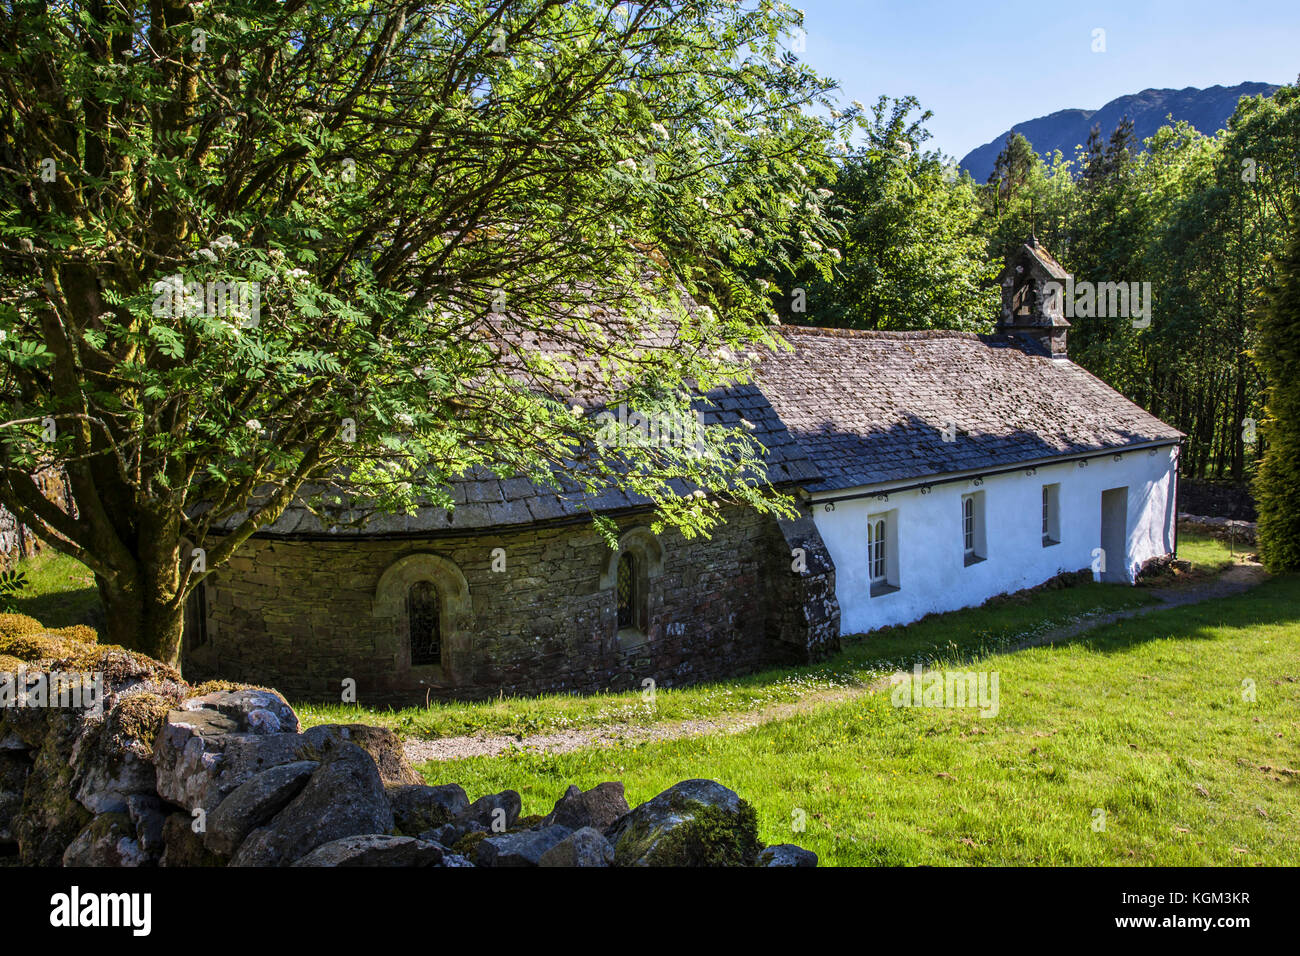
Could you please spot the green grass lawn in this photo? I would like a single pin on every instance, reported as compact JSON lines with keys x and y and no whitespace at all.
{"x":60,"y":591}
{"x":1143,"y":719}
{"x":1207,"y":553}
{"x":1002,"y":622}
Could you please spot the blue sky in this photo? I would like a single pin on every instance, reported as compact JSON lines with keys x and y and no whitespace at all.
{"x":981,"y":67}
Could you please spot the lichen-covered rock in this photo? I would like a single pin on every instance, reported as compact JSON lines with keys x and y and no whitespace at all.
{"x":345,"y":797}
{"x":115,"y":759}
{"x":253,"y":803}
{"x":375,"y":849}
{"x":201,"y":756}
{"x":122,"y":671}
{"x":184,"y":847}
{"x":600,"y":807}
{"x":384,"y":747}
{"x":148,"y":820}
{"x":14,"y":768}
{"x":584,"y":847}
{"x":50,"y":817}
{"x":786,"y":854}
{"x":108,"y":840}
{"x":254,"y":711}
{"x":522,"y":848}
{"x":692,"y":823}
{"x":418,"y":808}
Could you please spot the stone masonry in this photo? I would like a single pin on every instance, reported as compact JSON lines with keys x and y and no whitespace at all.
{"x":306,"y":615}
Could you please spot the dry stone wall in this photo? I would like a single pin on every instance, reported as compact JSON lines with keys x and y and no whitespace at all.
{"x":147,"y":770}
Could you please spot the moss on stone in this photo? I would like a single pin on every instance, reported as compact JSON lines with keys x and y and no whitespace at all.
{"x":14,"y":625}
{"x":527,"y":823}
{"x":225,"y":686}
{"x":10,"y":664}
{"x":79,"y":633}
{"x":140,"y":716}
{"x":36,"y":646}
{"x":467,"y":846}
{"x":709,"y":836}
{"x":117,"y":664}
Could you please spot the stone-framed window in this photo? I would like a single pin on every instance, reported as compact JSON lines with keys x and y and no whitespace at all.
{"x":630,"y":611}
{"x":423,"y":605}
{"x":424,"y":624}
{"x":629,"y":576}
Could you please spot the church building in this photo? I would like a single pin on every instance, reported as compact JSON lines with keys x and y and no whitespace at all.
{"x":933,"y":470}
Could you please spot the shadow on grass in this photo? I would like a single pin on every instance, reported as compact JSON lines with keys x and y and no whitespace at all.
{"x":1275,"y":601}
{"x":79,"y":606}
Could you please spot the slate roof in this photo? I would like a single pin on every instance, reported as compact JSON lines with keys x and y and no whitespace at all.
{"x":1045,"y":259}
{"x":871,"y":407}
{"x":844,"y":409}
{"x":484,"y":501}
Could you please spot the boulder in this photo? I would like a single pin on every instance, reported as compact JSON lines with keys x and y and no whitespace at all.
{"x":384,"y":747}
{"x":417,"y":807}
{"x":495,"y":812}
{"x":345,"y":797}
{"x":523,"y":848}
{"x":599,"y":807}
{"x":50,"y":817}
{"x":449,"y":834}
{"x":375,"y":849}
{"x":148,"y":818}
{"x":201,"y":758}
{"x":114,"y":760}
{"x":253,"y":803}
{"x":787,"y":854}
{"x":184,"y":847}
{"x":254,"y":710}
{"x":108,"y":840}
{"x":584,"y":847}
{"x":692,"y":823}
{"x":14,"y":768}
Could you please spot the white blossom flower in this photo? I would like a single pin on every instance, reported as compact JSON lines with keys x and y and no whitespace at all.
{"x":253,"y":425}
{"x":659,"y":130}
{"x":206,"y":254}
{"x":406,"y":419}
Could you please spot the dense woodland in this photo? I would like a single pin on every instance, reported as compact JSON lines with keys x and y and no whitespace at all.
{"x":1202,"y":218}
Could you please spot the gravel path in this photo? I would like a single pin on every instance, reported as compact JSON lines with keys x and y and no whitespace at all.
{"x":1235,"y":580}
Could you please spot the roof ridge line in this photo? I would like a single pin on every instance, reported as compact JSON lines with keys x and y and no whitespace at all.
{"x":830,"y":332}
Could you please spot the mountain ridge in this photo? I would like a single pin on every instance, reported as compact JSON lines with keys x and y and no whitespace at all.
{"x":1206,"y":109}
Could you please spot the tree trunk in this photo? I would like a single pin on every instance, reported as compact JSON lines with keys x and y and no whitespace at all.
{"x":143,"y":612}
{"x":134,"y":621}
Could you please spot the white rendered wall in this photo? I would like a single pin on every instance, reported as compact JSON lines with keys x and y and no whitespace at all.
{"x":932,"y":574}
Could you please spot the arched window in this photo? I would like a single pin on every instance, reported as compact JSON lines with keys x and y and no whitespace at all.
{"x":630,"y":573}
{"x":627,"y":591}
{"x":422,"y":613}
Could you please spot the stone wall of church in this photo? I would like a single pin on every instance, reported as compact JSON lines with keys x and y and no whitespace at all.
{"x":523,"y":612}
